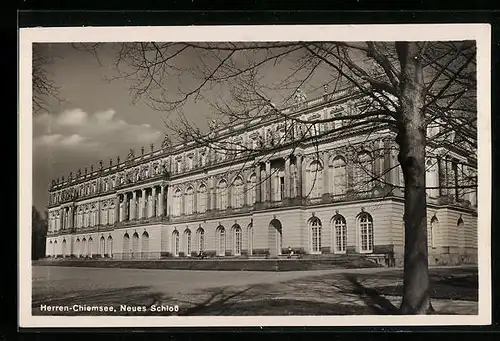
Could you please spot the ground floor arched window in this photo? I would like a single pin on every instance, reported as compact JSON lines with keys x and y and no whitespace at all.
{"x":366,"y":232}
{"x":237,"y":240}
{"x":221,"y":241}
{"x":200,"y":233}
{"x":109,"y":247}
{"x":175,"y":243}
{"x":340,"y":234}
{"x":315,"y":229}
{"x":126,"y":246}
{"x":187,"y":242}
{"x":145,"y":245}
{"x":102,"y":246}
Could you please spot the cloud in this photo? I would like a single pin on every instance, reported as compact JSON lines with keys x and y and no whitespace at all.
{"x":74,"y":117}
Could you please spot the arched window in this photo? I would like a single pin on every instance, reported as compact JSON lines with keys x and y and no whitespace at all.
{"x":250,"y":239}
{"x":237,"y":240}
{"x":200,"y":233}
{"x":135,"y":245}
{"x":432,"y":178}
{"x":433,"y":232}
{"x":78,"y":250}
{"x":366,"y":232}
{"x":222,"y":195}
{"x":315,"y":228}
{"x":237,"y":195}
{"x":126,"y":246}
{"x":202,"y":198}
{"x":203,"y":159}
{"x":187,"y":242}
{"x":104,"y":215}
{"x":109,"y":247}
{"x":177,"y":204}
{"x":221,"y":241}
{"x":84,"y":247}
{"x":461,"y":233}
{"x":145,"y":245}
{"x":91,"y":247}
{"x":338,"y":178}
{"x":364,"y":172}
{"x":102,"y":246}
{"x":175,"y":243}
{"x":251,"y":189}
{"x":315,"y":179}
{"x":189,"y":162}
{"x":64,"y":249}
{"x":189,"y":200}
{"x":340,"y":234}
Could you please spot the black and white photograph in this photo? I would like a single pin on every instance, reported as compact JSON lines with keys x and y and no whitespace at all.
{"x":219,"y":176}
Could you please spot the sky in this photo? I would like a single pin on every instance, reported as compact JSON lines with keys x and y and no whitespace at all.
{"x":96,"y":119}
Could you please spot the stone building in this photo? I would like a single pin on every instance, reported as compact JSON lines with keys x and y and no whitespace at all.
{"x":337,"y":193}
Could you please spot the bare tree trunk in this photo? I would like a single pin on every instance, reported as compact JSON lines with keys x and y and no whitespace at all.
{"x":411,"y":139}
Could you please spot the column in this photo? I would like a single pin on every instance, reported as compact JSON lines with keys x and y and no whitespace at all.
{"x":61,"y":219}
{"x":326,"y":183}
{"x":70,"y":217}
{"x":287,"y":178}
{"x":133,"y":203}
{"x":117,"y":210}
{"x":229,"y":192}
{"x":153,"y":202}
{"x":142,"y":204}
{"x":245,"y":189}
{"x":299,"y":175}
{"x":160,"y":203}
{"x":387,"y":163}
{"x":195,"y":197}
{"x":443,"y":180}
{"x":268,"y":194}
{"x":123,"y":207}
{"x":258,"y":184}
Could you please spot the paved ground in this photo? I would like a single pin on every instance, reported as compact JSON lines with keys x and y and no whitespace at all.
{"x":322,"y":292}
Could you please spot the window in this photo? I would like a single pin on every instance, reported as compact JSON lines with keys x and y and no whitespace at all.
{"x":135,"y":245}
{"x":110,"y":247}
{"x":431,"y":178}
{"x":338,"y":176}
{"x":189,"y":162}
{"x":102,"y":246}
{"x":202,"y":198}
{"x":315,"y":225}
{"x":251,"y":189}
{"x":222,"y":195}
{"x":145,"y":245}
{"x":126,"y":246}
{"x":366,"y":232}
{"x":203,"y":158}
{"x":177,"y":204}
{"x":364,"y":172}
{"x":237,"y":195}
{"x":189,"y":200}
{"x":237,"y":241}
{"x":175,"y":242}
{"x":340,"y":234}
{"x":315,"y":179}
{"x":104,"y":215}
{"x":187,"y":238}
{"x":250,"y":239}
{"x":434,"y":227}
{"x":221,"y":241}
{"x":201,"y":239}
{"x":282,"y":187}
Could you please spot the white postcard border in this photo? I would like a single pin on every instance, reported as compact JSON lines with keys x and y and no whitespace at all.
{"x":414,"y":32}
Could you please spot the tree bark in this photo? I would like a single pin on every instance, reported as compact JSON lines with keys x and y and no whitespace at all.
{"x":411,"y":140}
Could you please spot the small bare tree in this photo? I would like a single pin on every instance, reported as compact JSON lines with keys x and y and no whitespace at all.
{"x":44,"y":87}
{"x":406,"y":86}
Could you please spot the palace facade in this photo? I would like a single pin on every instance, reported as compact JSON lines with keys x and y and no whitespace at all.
{"x":336,"y":193}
